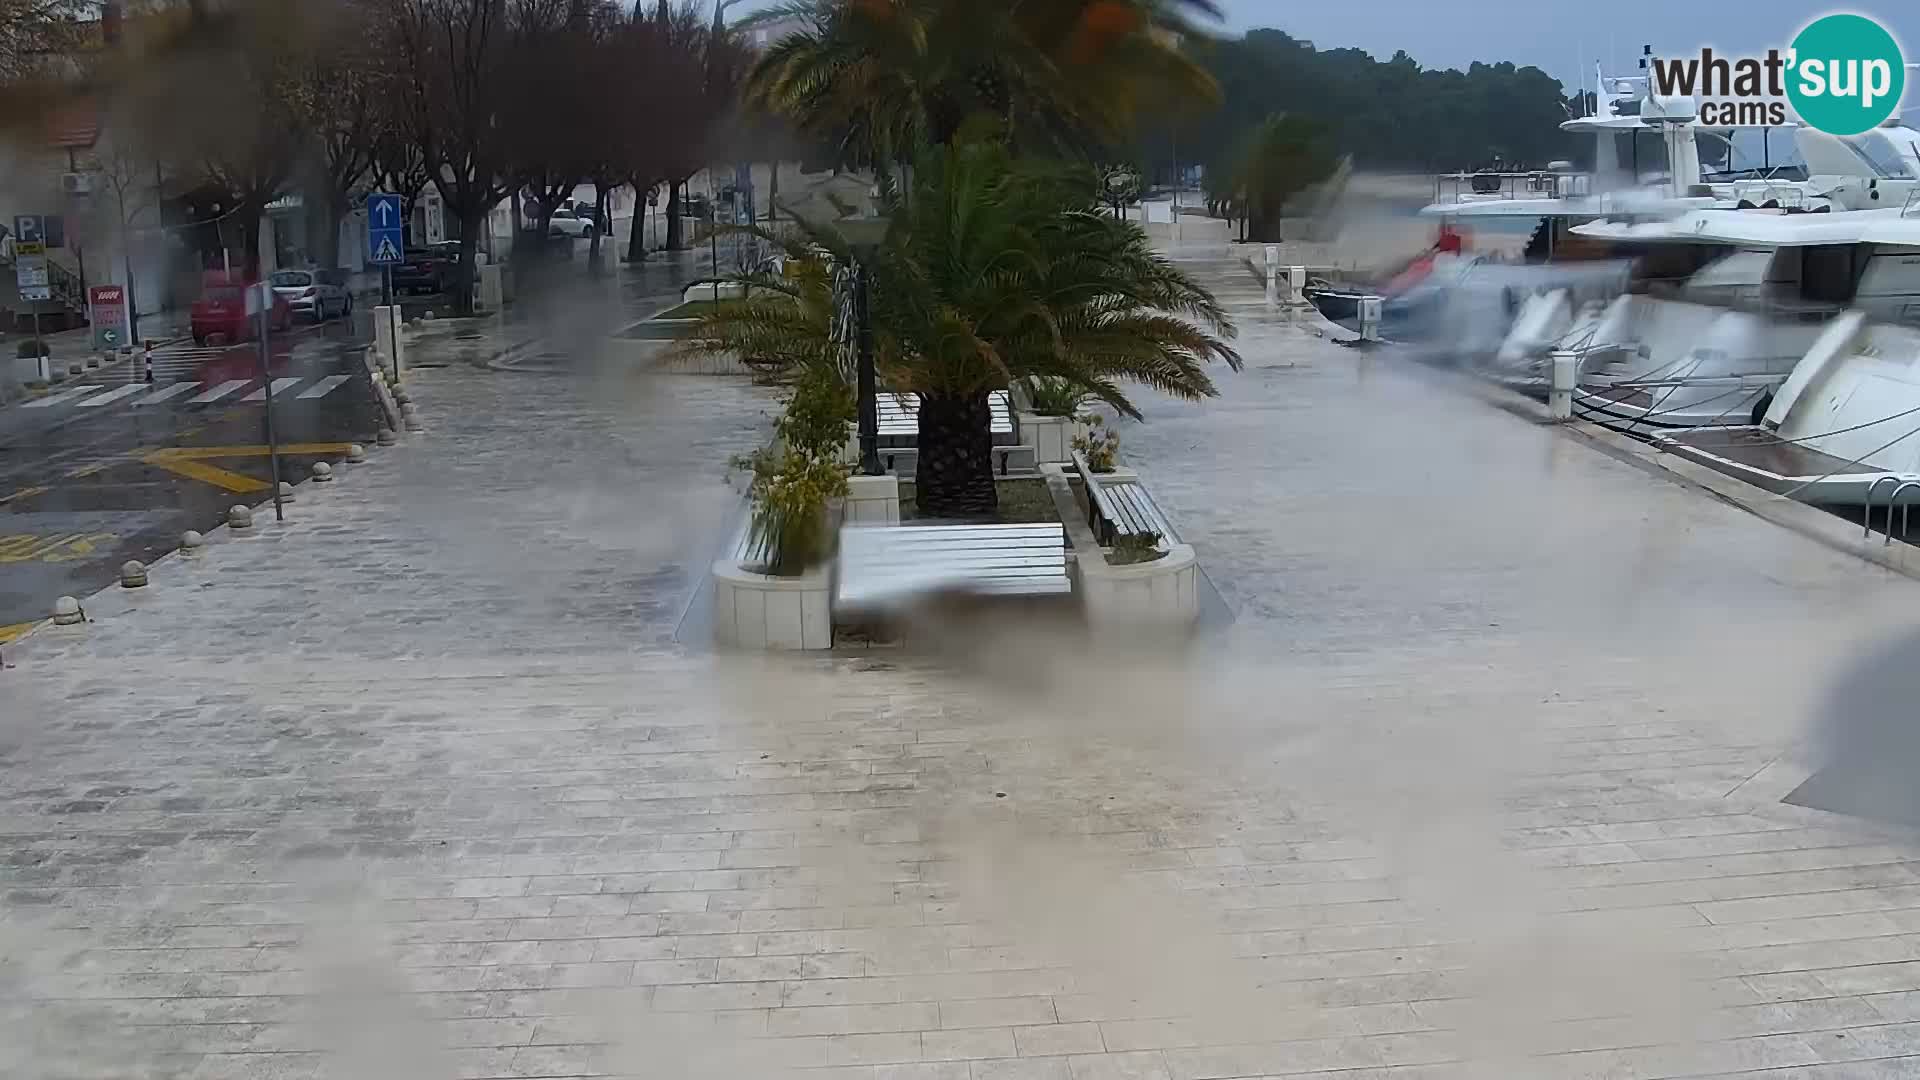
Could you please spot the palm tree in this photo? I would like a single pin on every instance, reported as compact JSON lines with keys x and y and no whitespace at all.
{"x":886,"y":77}
{"x":993,"y":270}
{"x":1283,"y":156}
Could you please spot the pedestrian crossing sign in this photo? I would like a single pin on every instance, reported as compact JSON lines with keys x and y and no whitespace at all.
{"x":386,"y":229}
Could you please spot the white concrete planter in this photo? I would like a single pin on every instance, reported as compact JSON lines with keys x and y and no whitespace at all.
{"x":1163,"y":594}
{"x":1050,"y":436}
{"x":726,"y":290}
{"x":32,"y":369}
{"x":872,"y":500}
{"x":752,"y":610}
{"x":756,"y":611}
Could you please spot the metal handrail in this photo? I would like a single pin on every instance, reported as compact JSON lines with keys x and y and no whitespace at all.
{"x":1904,"y":510}
{"x":1911,"y":208}
{"x":1867,"y":509}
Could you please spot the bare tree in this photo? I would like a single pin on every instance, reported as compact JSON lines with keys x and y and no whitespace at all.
{"x":344,"y":88}
{"x":655,"y":57}
{"x":552,"y":112}
{"x":454,"y":54}
{"x":34,"y":32}
{"x":242,"y":64}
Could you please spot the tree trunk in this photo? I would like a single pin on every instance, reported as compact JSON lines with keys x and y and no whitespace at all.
{"x":773,"y":190}
{"x":335,"y":212}
{"x":519,"y":229}
{"x":249,"y":212}
{"x":953,"y":477}
{"x":470,"y":225}
{"x":599,"y":220}
{"x":673,"y":217}
{"x":637,"y":229}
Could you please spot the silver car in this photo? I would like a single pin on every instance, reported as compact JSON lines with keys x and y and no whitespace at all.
{"x":314,"y":294}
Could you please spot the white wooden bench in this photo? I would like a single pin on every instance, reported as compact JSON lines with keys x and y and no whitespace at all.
{"x":883,"y":566}
{"x":1121,"y":508}
{"x":900,"y":418}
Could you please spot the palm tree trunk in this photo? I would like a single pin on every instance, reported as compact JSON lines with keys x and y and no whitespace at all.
{"x":954,"y":473}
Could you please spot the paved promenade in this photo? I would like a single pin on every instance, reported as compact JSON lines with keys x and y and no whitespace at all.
{"x":1484,"y":781}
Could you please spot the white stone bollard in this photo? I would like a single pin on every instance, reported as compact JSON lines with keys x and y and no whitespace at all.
{"x":239,"y":519}
{"x":1370,"y":318}
{"x":386,"y":437}
{"x":1273,"y":275}
{"x":1560,"y":382}
{"x":67,"y":612}
{"x":322,"y":473}
{"x":356,"y":454}
{"x":192,"y":543}
{"x":286,"y":492}
{"x":133,"y":574}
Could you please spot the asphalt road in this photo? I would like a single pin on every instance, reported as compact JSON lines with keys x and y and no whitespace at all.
{"x":108,"y":467}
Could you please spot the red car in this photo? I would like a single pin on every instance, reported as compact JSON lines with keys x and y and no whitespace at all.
{"x":221,"y":311}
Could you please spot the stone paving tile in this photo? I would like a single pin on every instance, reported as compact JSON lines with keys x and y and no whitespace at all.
{"x":1484,"y":780}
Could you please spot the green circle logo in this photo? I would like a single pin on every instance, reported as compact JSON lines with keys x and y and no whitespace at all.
{"x":1846,"y":74}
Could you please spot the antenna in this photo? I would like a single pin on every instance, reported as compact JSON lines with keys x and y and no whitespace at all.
{"x":1579,"y":62}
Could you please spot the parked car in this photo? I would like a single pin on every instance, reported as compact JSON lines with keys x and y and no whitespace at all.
{"x":427,"y":269}
{"x":221,"y":311}
{"x":571,"y":223}
{"x":314,"y":294}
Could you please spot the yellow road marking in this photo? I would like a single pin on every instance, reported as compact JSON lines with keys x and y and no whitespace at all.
{"x":204,"y":453}
{"x":54,"y":548}
{"x":23,"y":493}
{"x":16,"y":631}
{"x":191,"y":462}
{"x":224,"y":479}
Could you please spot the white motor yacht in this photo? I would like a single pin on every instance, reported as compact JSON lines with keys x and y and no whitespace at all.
{"x":1846,"y":420}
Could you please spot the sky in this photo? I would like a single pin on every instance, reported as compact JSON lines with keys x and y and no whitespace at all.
{"x":1554,"y":35}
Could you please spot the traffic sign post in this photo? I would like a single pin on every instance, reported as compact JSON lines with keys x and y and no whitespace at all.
{"x":386,"y":230}
{"x":386,"y":246}
{"x":260,"y":298}
{"x":30,"y":264}
{"x":107,"y":310}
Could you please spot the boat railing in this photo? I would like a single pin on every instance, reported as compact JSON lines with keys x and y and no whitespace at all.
{"x":1769,"y":195}
{"x":1486,"y":186}
{"x":1911,"y":208}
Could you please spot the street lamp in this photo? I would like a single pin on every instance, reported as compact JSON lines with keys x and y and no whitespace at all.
{"x":865,"y":234}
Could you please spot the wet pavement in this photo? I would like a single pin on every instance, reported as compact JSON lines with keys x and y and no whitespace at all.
{"x":108,"y":467}
{"x":1485,"y":781}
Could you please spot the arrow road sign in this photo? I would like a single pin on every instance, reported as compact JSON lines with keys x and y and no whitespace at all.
{"x":386,"y":236}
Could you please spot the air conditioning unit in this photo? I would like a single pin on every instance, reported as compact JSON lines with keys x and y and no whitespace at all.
{"x":76,"y":183}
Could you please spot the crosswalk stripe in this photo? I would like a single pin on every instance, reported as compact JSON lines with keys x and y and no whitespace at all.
{"x":64,"y":395}
{"x":220,"y":391}
{"x":324,"y":386}
{"x":173,"y":391}
{"x":280,"y":387}
{"x":113,"y":395}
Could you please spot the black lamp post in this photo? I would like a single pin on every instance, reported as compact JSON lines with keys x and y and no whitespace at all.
{"x":864,"y":235}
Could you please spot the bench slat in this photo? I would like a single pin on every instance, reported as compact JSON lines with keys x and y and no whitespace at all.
{"x":880,"y":563}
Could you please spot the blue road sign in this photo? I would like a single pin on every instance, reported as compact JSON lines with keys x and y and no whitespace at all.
{"x":386,"y":230}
